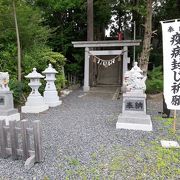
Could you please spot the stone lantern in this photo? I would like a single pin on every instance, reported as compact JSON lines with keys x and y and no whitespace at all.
{"x":50,"y":94}
{"x":35,"y":102}
{"x":7,"y":111}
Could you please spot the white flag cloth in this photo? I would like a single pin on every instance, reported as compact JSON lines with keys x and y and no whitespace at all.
{"x":171,"y":63}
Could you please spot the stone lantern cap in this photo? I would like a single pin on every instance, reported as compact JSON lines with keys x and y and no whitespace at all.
{"x":49,"y":70}
{"x":34,"y":75}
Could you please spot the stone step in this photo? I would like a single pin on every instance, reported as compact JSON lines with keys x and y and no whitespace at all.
{"x":136,"y":122}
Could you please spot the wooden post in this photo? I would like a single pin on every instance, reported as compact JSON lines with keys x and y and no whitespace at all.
{"x":90,"y":20}
{"x":120,"y":70}
{"x":37,"y":141}
{"x":125,"y":61}
{"x":3,"y":139}
{"x":68,"y":78}
{"x":13,"y":138}
{"x":18,"y":41}
{"x":71,"y":79}
{"x":24,"y":125}
{"x":74,"y":79}
{"x":174,"y":122}
{"x":63,"y":73}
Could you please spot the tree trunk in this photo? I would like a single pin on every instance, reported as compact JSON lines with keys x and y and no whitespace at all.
{"x":144,"y":57}
{"x":90,"y":22}
{"x":178,"y":4}
{"x":90,"y":35}
{"x":18,"y":41}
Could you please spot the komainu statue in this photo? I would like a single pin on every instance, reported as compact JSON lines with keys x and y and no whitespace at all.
{"x":134,"y":79}
{"x":4,"y":80}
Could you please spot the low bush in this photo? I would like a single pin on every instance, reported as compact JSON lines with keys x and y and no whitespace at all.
{"x":154,"y":83}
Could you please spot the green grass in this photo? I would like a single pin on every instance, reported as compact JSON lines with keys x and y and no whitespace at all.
{"x":149,"y":160}
{"x":166,"y":121}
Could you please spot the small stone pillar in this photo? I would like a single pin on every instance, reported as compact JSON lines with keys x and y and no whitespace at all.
{"x":50,"y":94}
{"x":35,"y":102}
{"x":86,"y":86}
{"x":133,"y":114}
{"x":7,"y":111}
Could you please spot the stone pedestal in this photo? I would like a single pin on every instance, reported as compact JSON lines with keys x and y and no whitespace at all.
{"x":35,"y":102}
{"x":52,"y":99}
{"x":7,"y":111}
{"x":133,"y":114}
{"x":50,"y":94}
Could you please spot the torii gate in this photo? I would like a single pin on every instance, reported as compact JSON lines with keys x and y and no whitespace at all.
{"x":94,"y":44}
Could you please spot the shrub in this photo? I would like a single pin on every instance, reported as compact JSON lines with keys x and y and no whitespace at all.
{"x":154,"y":83}
{"x":40,"y":58}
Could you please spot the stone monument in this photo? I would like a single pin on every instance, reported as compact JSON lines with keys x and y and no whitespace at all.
{"x":35,"y":102}
{"x":7,"y":111}
{"x":133,"y":114}
{"x":50,"y":94}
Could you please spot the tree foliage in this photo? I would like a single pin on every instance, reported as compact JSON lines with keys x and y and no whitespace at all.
{"x":155,"y":81}
{"x":33,"y":37}
{"x":47,"y":29}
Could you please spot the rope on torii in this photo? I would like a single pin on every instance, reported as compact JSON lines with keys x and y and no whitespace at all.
{"x":106,"y":63}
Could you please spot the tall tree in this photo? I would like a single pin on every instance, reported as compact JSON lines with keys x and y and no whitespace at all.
{"x":144,"y":57}
{"x":102,"y":17}
{"x":33,"y":36}
{"x":68,"y":19}
{"x":90,"y":20}
{"x":18,"y":41}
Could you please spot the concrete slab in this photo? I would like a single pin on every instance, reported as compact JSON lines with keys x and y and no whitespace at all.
{"x":169,"y":144}
{"x":134,"y":122}
{"x":103,"y":89}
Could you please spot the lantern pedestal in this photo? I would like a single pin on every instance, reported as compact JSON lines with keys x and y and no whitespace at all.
{"x":7,"y":111}
{"x":50,"y":94}
{"x":52,"y":99}
{"x":35,"y":102}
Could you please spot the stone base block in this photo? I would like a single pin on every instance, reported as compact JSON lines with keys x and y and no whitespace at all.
{"x":8,"y":112}
{"x":15,"y":116}
{"x":86,"y":88}
{"x":134,"y":122}
{"x":34,"y":109}
{"x":35,"y":104}
{"x":54,"y":104}
{"x":51,"y":98}
{"x":169,"y":144}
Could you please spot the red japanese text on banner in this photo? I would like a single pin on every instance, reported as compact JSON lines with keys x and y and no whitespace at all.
{"x":171,"y":63}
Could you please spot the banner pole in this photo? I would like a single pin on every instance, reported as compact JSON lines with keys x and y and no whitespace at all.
{"x":170,"y":20}
{"x":174,"y":122}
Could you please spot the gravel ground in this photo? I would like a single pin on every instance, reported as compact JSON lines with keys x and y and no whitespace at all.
{"x":81,"y":127}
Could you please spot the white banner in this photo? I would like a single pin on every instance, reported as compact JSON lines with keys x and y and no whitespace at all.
{"x":171,"y":63}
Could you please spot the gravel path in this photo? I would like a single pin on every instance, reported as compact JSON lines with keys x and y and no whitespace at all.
{"x":76,"y":131}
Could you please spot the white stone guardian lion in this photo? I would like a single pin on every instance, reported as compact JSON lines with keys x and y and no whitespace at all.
{"x":134,"y":79}
{"x":4,"y":80}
